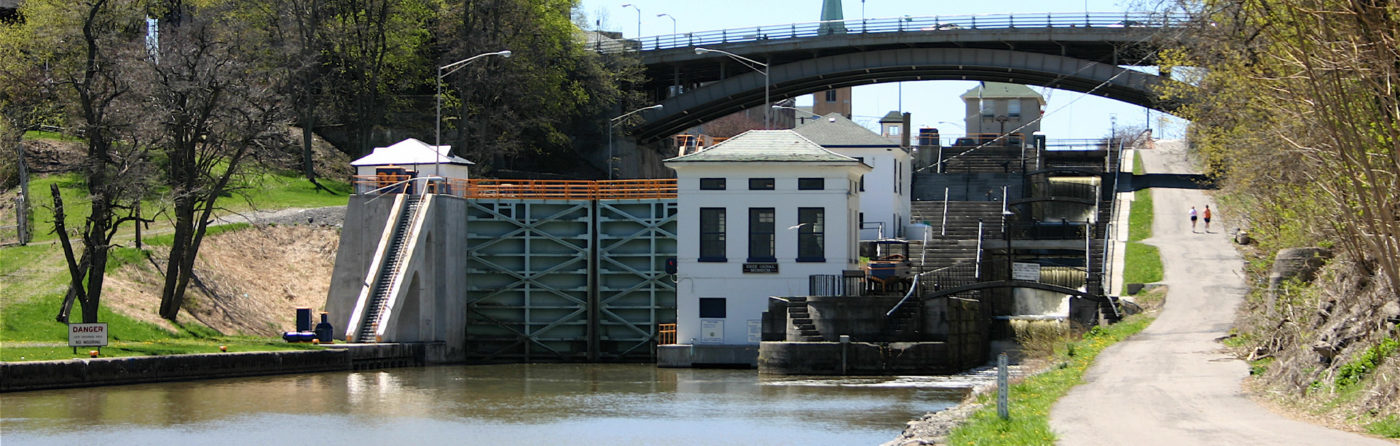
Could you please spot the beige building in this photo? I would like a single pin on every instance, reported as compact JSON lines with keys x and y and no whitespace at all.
{"x":832,"y":101}
{"x":998,"y":108}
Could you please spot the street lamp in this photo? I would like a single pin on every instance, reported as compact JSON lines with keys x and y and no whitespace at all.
{"x":813,"y":117}
{"x":751,"y":64}
{"x":437,"y":134}
{"x":613,"y":123}
{"x":639,"y":19}
{"x":673,"y":26}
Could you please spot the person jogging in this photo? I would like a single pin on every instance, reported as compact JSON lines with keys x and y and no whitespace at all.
{"x":1206,"y":216}
{"x":1193,"y":219}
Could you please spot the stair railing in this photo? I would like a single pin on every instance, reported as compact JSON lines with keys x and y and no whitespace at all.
{"x":944,"y":231}
{"x":977,"y":273}
{"x":367,"y":286}
{"x":914,"y":285}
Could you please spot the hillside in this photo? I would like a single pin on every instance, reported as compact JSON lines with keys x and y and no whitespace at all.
{"x":250,"y":281}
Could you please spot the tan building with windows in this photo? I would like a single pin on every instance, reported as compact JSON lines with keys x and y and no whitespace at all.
{"x":998,"y":108}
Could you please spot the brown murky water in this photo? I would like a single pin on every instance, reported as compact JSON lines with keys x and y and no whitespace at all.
{"x":542,"y":404}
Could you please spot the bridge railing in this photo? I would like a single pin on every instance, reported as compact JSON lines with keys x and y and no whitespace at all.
{"x":897,"y":25}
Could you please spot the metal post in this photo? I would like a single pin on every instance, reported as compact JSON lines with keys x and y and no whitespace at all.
{"x":613,"y":123}
{"x":437,"y":133}
{"x":1003,"y":410}
{"x":944,"y":231}
{"x":845,"y":344}
{"x":977,"y":271}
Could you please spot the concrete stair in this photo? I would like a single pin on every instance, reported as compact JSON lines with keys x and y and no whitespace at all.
{"x":802,"y":321}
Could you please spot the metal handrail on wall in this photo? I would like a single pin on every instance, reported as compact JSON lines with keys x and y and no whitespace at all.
{"x":1105,"y":267}
{"x":905,"y":24}
{"x":666,"y":334}
{"x":529,"y":189}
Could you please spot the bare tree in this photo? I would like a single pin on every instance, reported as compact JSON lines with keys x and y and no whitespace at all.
{"x":212,"y":106}
{"x":86,"y":44}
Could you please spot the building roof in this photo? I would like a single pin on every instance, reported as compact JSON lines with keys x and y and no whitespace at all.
{"x":765,"y":146}
{"x":892,"y":116}
{"x":999,"y":90}
{"x":834,"y":130}
{"x":410,"y":151}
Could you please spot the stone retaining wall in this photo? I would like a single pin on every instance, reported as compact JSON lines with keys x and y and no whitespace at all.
{"x":39,"y":375}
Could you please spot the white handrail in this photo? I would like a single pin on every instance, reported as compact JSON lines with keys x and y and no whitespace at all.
{"x":977,"y":272}
{"x":944,"y":231}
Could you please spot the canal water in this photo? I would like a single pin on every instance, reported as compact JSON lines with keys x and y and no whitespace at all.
{"x":540,"y":404}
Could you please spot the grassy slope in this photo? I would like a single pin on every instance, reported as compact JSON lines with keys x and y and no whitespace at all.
{"x":1142,"y":262}
{"x":1031,"y":399}
{"x":35,"y":276}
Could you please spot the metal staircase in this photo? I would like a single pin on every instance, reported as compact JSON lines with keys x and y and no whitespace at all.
{"x":384,"y":281}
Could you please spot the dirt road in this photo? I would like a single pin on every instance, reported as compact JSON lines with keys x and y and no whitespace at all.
{"x":1172,"y":384}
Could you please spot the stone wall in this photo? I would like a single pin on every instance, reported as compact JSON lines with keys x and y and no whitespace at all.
{"x":38,"y":375}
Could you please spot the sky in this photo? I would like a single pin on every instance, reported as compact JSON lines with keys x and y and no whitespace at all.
{"x":1069,"y":115}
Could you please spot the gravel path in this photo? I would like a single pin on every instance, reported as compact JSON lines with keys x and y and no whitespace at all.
{"x":1173,"y":384}
{"x":329,"y":216}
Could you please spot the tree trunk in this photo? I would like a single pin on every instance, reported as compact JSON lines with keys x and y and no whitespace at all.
{"x":171,"y":297}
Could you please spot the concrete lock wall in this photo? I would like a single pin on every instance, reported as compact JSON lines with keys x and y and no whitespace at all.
{"x":365,"y":219}
{"x":863,"y":319}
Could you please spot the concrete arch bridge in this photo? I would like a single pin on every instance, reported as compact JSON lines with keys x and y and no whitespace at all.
{"x":1077,"y":52}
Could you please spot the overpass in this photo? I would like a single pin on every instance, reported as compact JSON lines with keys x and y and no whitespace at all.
{"x":1077,"y":52}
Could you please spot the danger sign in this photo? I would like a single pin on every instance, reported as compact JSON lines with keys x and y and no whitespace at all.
{"x":87,"y":335}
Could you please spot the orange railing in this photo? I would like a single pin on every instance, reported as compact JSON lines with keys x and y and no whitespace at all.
{"x":527,"y":189}
{"x":666,"y":334}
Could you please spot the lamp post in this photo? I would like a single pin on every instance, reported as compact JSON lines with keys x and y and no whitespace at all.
{"x":639,"y":19}
{"x":813,"y":117}
{"x":437,"y":133}
{"x":613,"y":123}
{"x":751,"y":64}
{"x":673,"y":26}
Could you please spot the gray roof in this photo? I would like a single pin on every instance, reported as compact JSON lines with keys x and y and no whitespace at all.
{"x":892,"y":116}
{"x":834,"y":130}
{"x":998,"y":90}
{"x":765,"y":146}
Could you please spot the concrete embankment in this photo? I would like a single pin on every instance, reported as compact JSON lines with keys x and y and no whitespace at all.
{"x":39,"y":375}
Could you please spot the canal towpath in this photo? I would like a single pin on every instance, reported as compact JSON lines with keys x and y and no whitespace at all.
{"x":1174,"y":383}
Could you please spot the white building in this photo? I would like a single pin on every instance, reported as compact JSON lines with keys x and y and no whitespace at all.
{"x":758,"y":214}
{"x":415,"y":156}
{"x":885,"y":195}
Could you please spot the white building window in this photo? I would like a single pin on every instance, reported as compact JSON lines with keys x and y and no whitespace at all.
{"x":1013,"y":108}
{"x":712,"y":235}
{"x":811,"y":234}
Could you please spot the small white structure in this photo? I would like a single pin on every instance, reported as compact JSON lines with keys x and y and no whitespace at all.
{"x":885,"y":194}
{"x":414,"y":155}
{"x":758,"y":215}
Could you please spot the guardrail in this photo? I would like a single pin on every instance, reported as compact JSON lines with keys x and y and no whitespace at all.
{"x":1049,"y":230}
{"x":666,"y":334}
{"x":896,"y":25}
{"x":487,"y":188}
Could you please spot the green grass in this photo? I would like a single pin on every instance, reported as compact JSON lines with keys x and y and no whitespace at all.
{"x":265,"y":191}
{"x":1141,"y":263}
{"x":1140,"y":216}
{"x":287,"y":190}
{"x":33,"y":323}
{"x":1388,"y":427}
{"x":35,"y":277}
{"x":169,"y":238}
{"x":40,"y":134}
{"x":1137,"y":164}
{"x":1031,"y":399}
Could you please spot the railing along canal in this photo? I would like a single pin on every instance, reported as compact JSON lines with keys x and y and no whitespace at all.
{"x":897,"y":25}
{"x":520,"y":189}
